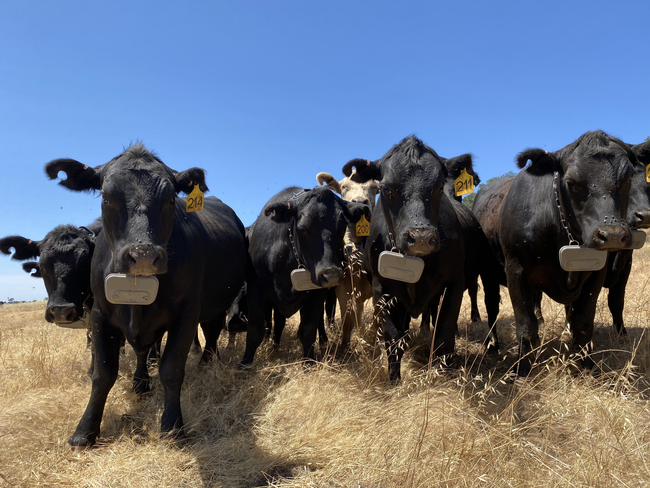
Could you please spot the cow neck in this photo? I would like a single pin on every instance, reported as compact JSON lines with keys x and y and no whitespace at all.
{"x":558,"y":203}
{"x":293,"y":223}
{"x":389,"y":223}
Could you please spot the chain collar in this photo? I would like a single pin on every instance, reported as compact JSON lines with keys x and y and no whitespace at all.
{"x":558,"y":203}
{"x":293,"y":245}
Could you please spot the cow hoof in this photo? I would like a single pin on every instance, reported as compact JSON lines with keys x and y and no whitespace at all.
{"x":80,"y":442}
{"x":492,"y":350}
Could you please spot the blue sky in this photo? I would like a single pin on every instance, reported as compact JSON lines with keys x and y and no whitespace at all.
{"x":265,"y":94}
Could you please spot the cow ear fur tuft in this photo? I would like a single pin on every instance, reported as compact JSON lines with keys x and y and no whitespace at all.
{"x":30,"y":266}
{"x":279,"y":212}
{"x":80,"y":177}
{"x":23,"y":248}
{"x":365,"y":170}
{"x":542,"y":162}
{"x":185,"y":180}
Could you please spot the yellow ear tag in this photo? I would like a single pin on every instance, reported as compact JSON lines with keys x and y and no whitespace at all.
{"x":363,"y":227}
{"x":464,"y":184}
{"x":647,"y":173}
{"x":194,"y":201}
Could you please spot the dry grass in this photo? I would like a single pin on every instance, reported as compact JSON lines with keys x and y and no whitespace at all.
{"x":339,"y":423}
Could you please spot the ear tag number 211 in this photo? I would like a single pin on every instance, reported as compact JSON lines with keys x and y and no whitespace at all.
{"x":464,"y":184}
{"x":194,"y":201}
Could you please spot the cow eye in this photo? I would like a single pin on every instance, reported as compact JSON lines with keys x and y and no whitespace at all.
{"x":573,"y":187}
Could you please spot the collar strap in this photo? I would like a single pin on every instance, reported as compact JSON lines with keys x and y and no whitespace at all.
{"x":558,"y":203}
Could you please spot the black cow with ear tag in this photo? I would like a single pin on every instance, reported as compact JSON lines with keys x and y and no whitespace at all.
{"x":414,"y":228}
{"x":296,"y":247}
{"x":197,"y":259}
{"x":565,"y":211}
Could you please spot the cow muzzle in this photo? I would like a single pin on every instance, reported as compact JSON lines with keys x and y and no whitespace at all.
{"x":642,"y":219}
{"x":420,"y":242}
{"x":61,"y":314}
{"x":612,"y":237}
{"x":144,"y":260}
{"x":329,"y":277}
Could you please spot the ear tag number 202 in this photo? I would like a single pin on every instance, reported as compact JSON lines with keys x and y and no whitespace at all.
{"x":464,"y":184}
{"x":194,"y":201}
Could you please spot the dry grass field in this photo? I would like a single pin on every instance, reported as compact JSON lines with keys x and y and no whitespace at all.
{"x":339,"y":423}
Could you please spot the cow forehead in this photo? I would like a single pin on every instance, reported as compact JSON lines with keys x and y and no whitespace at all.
{"x":599,"y":167}
{"x":126,"y":178}
{"x":352,"y":189}
{"x":415,"y":174}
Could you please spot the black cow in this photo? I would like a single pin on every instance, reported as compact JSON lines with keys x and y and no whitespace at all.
{"x":579,"y":193}
{"x":415,"y":217}
{"x":297,"y":228}
{"x":199,"y":259}
{"x":479,"y":257}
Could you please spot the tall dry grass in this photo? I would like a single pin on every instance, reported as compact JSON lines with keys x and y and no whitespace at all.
{"x":340,"y":423}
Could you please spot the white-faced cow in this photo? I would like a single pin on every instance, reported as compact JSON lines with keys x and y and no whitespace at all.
{"x":198,"y":258}
{"x":298,"y":229}
{"x":415,"y":218}
{"x":578,"y":194}
{"x":354,"y":282}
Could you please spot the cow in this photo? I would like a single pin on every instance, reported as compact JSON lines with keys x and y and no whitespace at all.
{"x":413,"y":217}
{"x":198,"y":258}
{"x":354,"y":283}
{"x":479,"y":257}
{"x":297,"y":229}
{"x":578,"y":194}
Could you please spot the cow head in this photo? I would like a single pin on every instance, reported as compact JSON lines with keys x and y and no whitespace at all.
{"x":317,"y":220}
{"x":138,"y":204}
{"x":350,"y":190}
{"x":594,"y":174}
{"x":411,"y":177}
{"x":454,"y":167}
{"x":64,"y":264}
{"x":638,"y":209}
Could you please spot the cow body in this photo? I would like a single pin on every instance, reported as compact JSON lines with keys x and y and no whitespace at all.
{"x":415,"y":217}
{"x":590,"y":179}
{"x":296,"y":228}
{"x":355,"y":287}
{"x":199,"y":259}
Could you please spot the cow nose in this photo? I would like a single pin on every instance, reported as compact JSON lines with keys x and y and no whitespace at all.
{"x":330,"y":277}
{"x":361,"y":200}
{"x":642,"y":218}
{"x":61,"y":314}
{"x":422,"y":241}
{"x":611,"y":237}
{"x":145,"y":260}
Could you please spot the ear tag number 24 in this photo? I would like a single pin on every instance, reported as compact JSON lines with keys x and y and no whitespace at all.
{"x":464,"y":184}
{"x":194,"y":201}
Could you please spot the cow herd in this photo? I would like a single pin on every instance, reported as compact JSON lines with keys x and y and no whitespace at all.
{"x":156,"y":263}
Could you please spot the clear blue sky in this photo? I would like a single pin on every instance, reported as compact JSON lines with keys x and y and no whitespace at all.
{"x":266,"y":94}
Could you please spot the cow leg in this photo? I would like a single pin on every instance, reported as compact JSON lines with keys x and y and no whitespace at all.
{"x":196,"y":344}
{"x":322,"y":334}
{"x":106,"y":345}
{"x":538,"y":308}
{"x":268,"y":320}
{"x":311,"y":313}
{"x":425,"y":322}
{"x":492,"y":291}
{"x":472,"y":291}
{"x":154,"y":353}
{"x":347,"y":314}
{"x":444,"y":342}
{"x":141,"y":381}
{"x":583,"y":312}
{"x":258,"y":309}
{"x":279,"y":321}
{"x":211,"y":332}
{"x":616,"y":297}
{"x":523,"y":299}
{"x":330,"y":305}
{"x":395,"y":324}
{"x":172,"y":370}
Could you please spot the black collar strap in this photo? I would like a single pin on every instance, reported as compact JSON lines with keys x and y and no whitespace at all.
{"x":558,"y":203}
{"x":389,"y":222}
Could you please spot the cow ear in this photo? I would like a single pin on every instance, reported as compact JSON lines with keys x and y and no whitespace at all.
{"x":30,"y":266}
{"x":642,"y":152}
{"x":356,"y":210}
{"x":329,"y":181}
{"x":80,"y":177}
{"x":457,"y":164}
{"x":280,"y":212}
{"x":542,"y":162}
{"x":23,"y":248}
{"x":365,"y":170}
{"x":185,"y":180}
